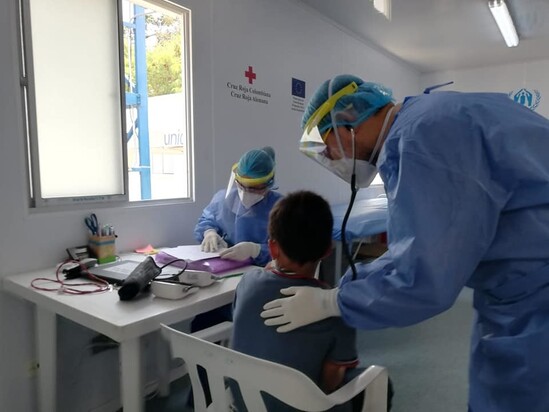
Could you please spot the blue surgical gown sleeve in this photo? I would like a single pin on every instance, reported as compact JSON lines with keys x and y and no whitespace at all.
{"x":442,"y":219}
{"x":209,"y":218}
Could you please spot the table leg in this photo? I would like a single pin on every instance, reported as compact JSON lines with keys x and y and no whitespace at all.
{"x":163,"y":362}
{"x":131,"y":381}
{"x":46,"y":344}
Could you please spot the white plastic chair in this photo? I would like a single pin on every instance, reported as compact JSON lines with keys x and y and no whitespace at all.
{"x":257,"y":375}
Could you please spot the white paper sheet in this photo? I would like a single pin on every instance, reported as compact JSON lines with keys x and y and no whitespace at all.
{"x":189,"y":252}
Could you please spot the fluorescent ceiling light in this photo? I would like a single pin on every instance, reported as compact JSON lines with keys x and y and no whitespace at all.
{"x":384,"y":7}
{"x":505,"y":23}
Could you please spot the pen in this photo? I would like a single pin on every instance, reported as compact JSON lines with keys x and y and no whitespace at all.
{"x":108,"y":230}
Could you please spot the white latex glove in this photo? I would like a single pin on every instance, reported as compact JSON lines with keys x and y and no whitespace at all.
{"x":241,"y":251}
{"x":304,"y":305}
{"x":212,"y":242}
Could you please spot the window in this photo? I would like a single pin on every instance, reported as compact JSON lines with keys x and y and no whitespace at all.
{"x":107,"y":93}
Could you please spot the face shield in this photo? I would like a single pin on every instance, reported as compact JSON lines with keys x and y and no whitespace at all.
{"x":250,"y":185}
{"x":313,"y":144}
{"x":312,"y":141}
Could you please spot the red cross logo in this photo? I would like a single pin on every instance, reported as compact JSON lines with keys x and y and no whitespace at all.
{"x":250,"y":75}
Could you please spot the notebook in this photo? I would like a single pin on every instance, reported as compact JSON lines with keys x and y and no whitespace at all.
{"x":115,"y":272}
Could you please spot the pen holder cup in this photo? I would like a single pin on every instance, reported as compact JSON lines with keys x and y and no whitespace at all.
{"x":103,"y":248}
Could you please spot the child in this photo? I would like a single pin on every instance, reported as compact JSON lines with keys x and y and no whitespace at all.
{"x":300,"y":235}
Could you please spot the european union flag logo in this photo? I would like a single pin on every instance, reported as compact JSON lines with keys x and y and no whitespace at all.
{"x":298,"y":88}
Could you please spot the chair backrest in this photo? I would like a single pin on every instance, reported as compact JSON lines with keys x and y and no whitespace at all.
{"x":254,"y":376}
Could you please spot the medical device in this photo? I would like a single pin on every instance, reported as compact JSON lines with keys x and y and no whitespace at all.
{"x":187,"y":283}
{"x":171,"y":290}
{"x":346,"y":250}
{"x":141,"y":277}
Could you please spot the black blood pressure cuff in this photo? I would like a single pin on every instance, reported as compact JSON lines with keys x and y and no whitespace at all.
{"x":139,"y":280}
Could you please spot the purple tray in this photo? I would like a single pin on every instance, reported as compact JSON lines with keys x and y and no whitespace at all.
{"x":214,"y":265}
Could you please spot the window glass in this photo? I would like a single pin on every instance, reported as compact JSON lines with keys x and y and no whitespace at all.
{"x":157,"y":120}
{"x":77,"y":99}
{"x":108,"y":111}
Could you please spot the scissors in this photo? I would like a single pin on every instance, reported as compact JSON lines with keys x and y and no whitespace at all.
{"x":92,"y":224}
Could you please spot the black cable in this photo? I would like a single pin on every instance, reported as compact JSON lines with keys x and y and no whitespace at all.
{"x":177,"y":274}
{"x":173,"y":261}
{"x":344,"y":226}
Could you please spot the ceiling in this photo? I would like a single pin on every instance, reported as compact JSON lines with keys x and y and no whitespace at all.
{"x":435,"y":35}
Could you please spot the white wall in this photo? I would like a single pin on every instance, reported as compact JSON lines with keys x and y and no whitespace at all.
{"x":504,"y":79}
{"x":280,"y":40}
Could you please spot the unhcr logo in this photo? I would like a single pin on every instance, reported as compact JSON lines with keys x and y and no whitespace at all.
{"x":528,"y":98}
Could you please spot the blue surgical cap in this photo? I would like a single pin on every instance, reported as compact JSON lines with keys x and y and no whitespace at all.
{"x":256,"y":163}
{"x":358,"y":106}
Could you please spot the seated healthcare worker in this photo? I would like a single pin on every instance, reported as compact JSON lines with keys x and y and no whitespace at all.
{"x":235,"y":222}
{"x":467,"y":183}
{"x":237,"y":217}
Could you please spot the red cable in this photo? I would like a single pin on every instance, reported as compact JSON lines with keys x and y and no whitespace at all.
{"x":71,"y":288}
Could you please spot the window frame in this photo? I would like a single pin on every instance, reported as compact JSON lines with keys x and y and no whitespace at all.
{"x":27,"y":84}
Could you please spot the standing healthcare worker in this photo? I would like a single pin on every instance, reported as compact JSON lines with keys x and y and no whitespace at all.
{"x":237,"y":217}
{"x":467,"y":183}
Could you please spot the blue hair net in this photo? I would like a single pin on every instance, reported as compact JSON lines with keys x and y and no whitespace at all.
{"x":256,"y":163}
{"x":358,"y":106}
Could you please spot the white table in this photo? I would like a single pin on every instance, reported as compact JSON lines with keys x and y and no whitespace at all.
{"x":122,"y":321}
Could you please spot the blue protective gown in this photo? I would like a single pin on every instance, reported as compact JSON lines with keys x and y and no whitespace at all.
{"x":467,"y":182}
{"x":235,"y":224}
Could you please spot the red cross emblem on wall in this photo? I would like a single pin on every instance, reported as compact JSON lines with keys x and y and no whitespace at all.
{"x":250,"y":75}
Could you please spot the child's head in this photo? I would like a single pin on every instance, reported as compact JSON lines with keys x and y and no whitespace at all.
{"x":301,"y":224}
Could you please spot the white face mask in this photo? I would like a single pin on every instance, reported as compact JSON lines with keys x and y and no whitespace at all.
{"x":249,"y":199}
{"x":365,"y":171}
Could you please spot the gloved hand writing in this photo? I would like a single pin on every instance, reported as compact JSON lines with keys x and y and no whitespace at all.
{"x":304,"y":305}
{"x":241,"y":251}
{"x":212,"y":242}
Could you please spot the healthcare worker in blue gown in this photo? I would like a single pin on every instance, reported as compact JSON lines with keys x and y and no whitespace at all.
{"x":237,"y":217}
{"x":235,"y":222}
{"x":467,"y":183}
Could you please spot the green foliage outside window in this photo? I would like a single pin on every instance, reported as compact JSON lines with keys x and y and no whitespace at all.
{"x":164,"y":67}
{"x":163,"y":44}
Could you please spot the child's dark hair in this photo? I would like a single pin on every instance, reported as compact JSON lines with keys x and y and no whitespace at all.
{"x":301,"y":223}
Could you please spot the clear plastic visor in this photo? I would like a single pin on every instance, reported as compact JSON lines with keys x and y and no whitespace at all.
{"x":311,"y":142}
{"x":314,"y":145}
{"x":262,"y":186}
